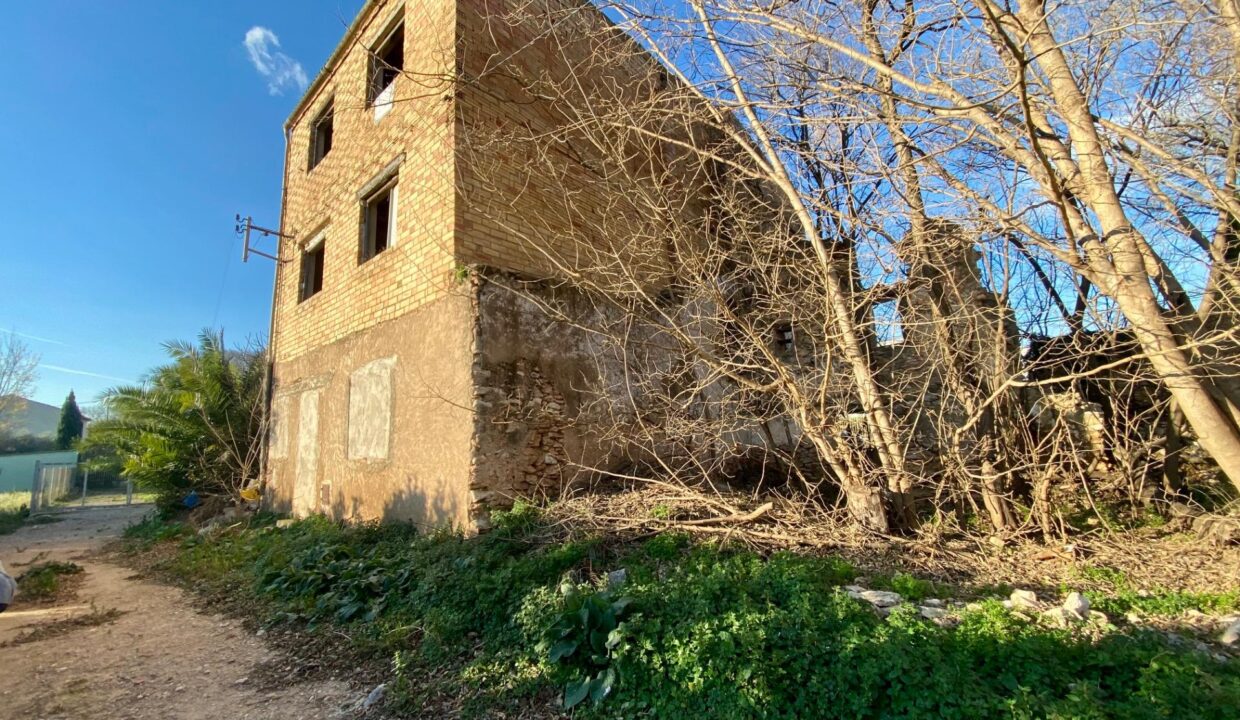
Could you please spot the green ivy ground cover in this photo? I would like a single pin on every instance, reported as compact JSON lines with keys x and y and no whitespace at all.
{"x":514,"y":620}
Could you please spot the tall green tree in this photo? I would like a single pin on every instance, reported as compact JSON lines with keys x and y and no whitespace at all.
{"x":194,"y":423}
{"x":71,"y":425}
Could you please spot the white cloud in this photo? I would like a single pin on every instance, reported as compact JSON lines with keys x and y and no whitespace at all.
{"x":280,"y":70}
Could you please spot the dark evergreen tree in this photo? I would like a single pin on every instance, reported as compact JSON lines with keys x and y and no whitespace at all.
{"x":71,"y":424}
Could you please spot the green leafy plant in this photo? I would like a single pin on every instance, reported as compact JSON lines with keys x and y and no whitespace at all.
{"x":722,"y":631}
{"x":43,"y":581}
{"x":195,"y":423}
{"x":585,"y":633}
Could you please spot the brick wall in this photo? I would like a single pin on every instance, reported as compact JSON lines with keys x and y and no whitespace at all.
{"x":533,"y":181}
{"x":418,"y":267}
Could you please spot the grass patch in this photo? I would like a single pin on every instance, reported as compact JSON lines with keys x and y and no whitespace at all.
{"x":507,"y":622}
{"x":910,"y":588}
{"x":13,"y":511}
{"x":45,"y":582}
{"x":152,"y":529}
{"x":1121,"y":597}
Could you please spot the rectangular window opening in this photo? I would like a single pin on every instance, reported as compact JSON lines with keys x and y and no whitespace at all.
{"x":785,"y":340}
{"x":312,"y":270}
{"x":378,"y":221}
{"x":387,"y":61}
{"x":888,"y":325}
{"x":321,"y":135}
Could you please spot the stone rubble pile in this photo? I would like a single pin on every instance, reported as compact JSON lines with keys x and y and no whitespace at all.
{"x":1073,"y":611}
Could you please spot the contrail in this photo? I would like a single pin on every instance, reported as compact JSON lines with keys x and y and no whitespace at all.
{"x":87,"y":373}
{"x":36,"y":338}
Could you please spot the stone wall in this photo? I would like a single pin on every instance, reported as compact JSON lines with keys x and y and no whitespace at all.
{"x":534,"y":431}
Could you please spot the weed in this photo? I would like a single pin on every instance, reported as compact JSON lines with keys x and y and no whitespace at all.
{"x":42,"y":582}
{"x":1122,"y":597}
{"x":152,"y":529}
{"x":583,"y":637}
{"x":910,"y":588}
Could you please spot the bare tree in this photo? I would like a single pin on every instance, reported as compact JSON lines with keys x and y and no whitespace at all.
{"x":18,"y":366}
{"x":818,"y":237}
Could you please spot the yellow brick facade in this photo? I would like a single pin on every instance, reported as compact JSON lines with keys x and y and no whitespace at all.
{"x":420,"y":125}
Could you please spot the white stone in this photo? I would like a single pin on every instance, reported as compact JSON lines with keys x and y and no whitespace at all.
{"x":1077,"y":604}
{"x":880,"y":598}
{"x":375,"y":696}
{"x":1231,"y":636}
{"x":1024,"y":599}
{"x":934,"y":603}
{"x":932,"y":613}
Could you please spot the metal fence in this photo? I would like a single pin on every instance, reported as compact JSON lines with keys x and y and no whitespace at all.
{"x":52,"y":482}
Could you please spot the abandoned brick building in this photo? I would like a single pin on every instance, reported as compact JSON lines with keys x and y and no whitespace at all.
{"x":403,"y":386}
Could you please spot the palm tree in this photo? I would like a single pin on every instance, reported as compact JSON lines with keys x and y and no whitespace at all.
{"x":195,"y":423}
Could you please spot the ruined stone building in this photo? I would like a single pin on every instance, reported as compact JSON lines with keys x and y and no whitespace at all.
{"x":404,"y":386}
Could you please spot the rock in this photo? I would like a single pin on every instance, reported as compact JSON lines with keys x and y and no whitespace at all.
{"x":878,"y":598}
{"x":931,"y":613}
{"x":1231,"y":636}
{"x":1024,"y":599}
{"x":375,"y":696}
{"x":854,"y":588}
{"x":1061,"y":617}
{"x":1217,"y":529}
{"x":933,"y":602}
{"x":1076,"y":604}
{"x":616,"y":578}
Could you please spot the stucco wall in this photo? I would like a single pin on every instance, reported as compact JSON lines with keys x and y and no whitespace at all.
{"x":411,"y":450}
{"x":17,"y":471}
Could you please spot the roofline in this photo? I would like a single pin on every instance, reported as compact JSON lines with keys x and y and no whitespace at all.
{"x":332,"y":61}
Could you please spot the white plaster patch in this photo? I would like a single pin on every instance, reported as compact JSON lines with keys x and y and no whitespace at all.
{"x":278,"y":438}
{"x":370,"y":410}
{"x":305,"y":492}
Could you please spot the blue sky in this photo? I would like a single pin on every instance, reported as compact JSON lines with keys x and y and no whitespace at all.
{"x":131,"y":134}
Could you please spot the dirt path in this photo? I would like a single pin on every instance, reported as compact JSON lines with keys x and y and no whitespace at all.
{"x":160,"y":659}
